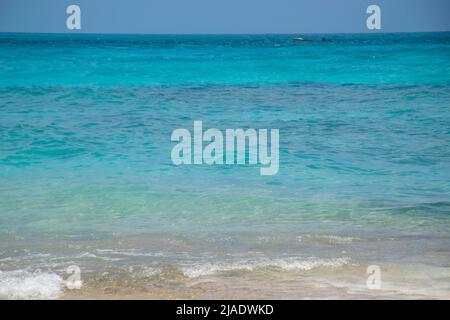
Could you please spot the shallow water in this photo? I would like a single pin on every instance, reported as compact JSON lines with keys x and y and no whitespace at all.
{"x":86,"y":177}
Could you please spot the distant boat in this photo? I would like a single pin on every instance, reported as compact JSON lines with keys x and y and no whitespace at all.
{"x":301,"y":40}
{"x":310,"y":40}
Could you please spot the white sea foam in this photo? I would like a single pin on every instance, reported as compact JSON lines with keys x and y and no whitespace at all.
{"x":21,"y":284}
{"x":130,"y":252}
{"x":284,"y":264}
{"x":94,"y":256}
{"x":330,"y":239}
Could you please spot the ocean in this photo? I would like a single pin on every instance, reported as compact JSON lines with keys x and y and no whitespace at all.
{"x":86,"y":177}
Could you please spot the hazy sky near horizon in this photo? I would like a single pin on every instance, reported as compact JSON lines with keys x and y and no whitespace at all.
{"x":223,"y":16}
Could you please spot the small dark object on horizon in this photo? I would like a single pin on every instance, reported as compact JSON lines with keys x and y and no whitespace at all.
{"x":310,"y":40}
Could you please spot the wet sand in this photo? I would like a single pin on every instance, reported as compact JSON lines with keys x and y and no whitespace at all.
{"x":321,"y":283}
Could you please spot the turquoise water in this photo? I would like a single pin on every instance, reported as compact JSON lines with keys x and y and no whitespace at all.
{"x":86,"y":176}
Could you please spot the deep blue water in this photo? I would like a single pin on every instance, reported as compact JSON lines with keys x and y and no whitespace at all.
{"x":85,"y":125}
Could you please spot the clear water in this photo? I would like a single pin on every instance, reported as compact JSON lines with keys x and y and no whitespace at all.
{"x":86,"y":176}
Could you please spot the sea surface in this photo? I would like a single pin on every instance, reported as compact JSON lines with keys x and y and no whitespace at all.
{"x":86,"y":177}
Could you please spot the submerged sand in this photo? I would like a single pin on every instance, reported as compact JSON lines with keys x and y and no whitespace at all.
{"x":349,"y":282}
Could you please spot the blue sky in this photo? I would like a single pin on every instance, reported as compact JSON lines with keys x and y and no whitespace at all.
{"x":223,"y":16}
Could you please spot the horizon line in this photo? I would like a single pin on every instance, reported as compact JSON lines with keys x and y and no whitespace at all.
{"x":220,"y":34}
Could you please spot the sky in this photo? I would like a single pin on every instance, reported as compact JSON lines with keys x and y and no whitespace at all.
{"x":223,"y":16}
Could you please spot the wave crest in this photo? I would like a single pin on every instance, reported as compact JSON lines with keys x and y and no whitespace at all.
{"x":20,"y":284}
